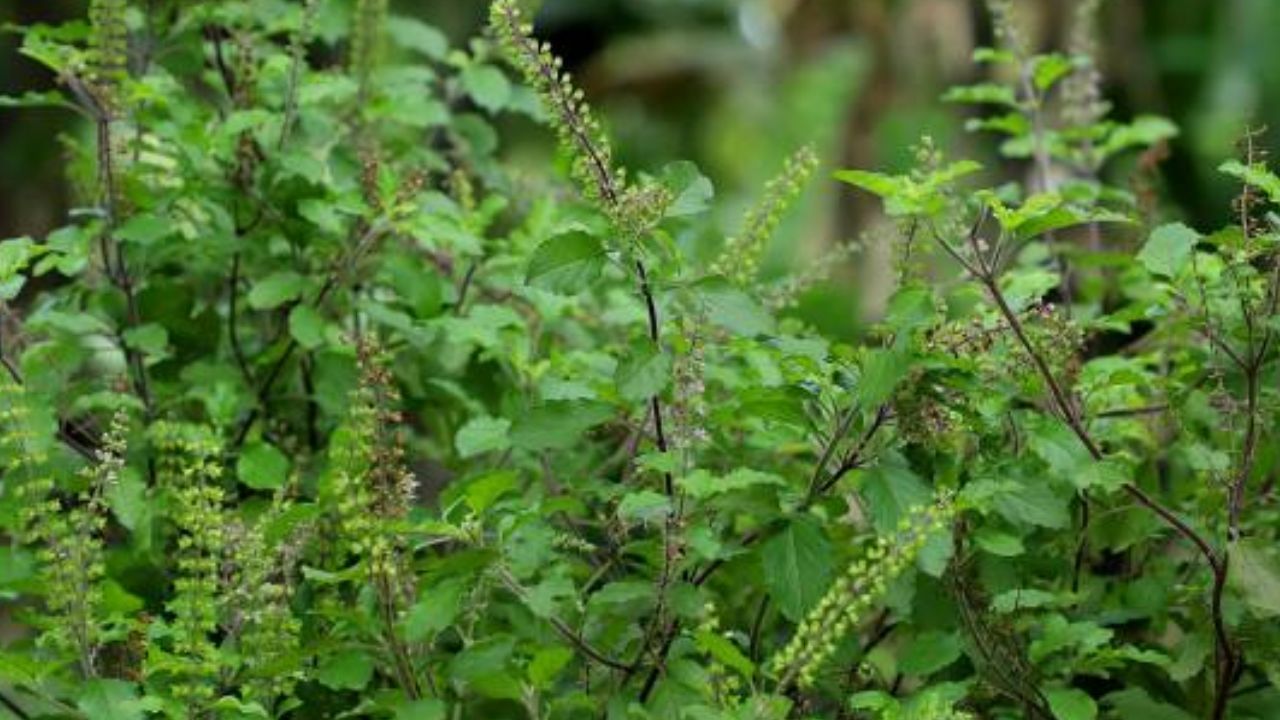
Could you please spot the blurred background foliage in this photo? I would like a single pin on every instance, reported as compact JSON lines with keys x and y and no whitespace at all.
{"x":735,"y":85}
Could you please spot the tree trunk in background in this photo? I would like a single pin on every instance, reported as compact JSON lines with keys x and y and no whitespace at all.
{"x":34,"y":198}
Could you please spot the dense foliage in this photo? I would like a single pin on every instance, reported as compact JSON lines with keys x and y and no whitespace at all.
{"x":316,"y":408}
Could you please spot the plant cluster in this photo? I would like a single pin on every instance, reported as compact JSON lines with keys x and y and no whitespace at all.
{"x":319,"y":407}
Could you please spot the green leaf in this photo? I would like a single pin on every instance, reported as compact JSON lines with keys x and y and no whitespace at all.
{"x":993,"y":55}
{"x":413,"y":34}
{"x":547,"y":664}
{"x":1033,"y":503}
{"x":1001,"y":544}
{"x":16,"y":567}
{"x":910,"y":308}
{"x":936,"y":554}
{"x":15,"y":256}
{"x":276,"y":289}
{"x":1144,"y":131}
{"x":558,"y":424}
{"x":1058,"y":634}
{"x":1255,"y":574}
{"x":690,"y":188}
{"x":798,"y":565}
{"x":1022,"y":599}
{"x":907,"y":195}
{"x":892,"y":491}
{"x":567,"y":263}
{"x":1049,"y":69}
{"x":306,"y":326}
{"x":1060,"y":218}
{"x":1257,"y":175}
{"x":1058,"y":446}
{"x":930,"y":652}
{"x":723,"y":651}
{"x":1108,"y":474}
{"x":1192,"y":654}
{"x":237,"y":709}
{"x":624,"y":596}
{"x":487,"y":86}
{"x":643,"y":373}
{"x":435,"y":610}
{"x":285,"y":524}
{"x":324,"y":577}
{"x":346,"y":670}
{"x":481,"y":435}
{"x":544,"y":598}
{"x":482,"y":667}
{"x":1137,"y":704}
{"x":262,"y":467}
{"x":644,"y":506}
{"x":484,"y":490}
{"x":1071,"y":704}
{"x":982,"y":94}
{"x":127,"y":498}
{"x":55,"y":56}
{"x":33,"y":99}
{"x":21,"y":667}
{"x":734,"y":310}
{"x":110,"y":700}
{"x":1014,"y":124}
{"x":422,"y":111}
{"x":1025,"y":286}
{"x":430,"y":709}
{"x":529,"y":547}
{"x":145,"y":229}
{"x":1168,"y":250}
{"x":882,"y":370}
{"x":659,"y":462}
{"x":323,"y":214}
{"x":701,"y":484}
{"x":873,"y":182}
{"x":485,"y":326}
{"x":150,"y":339}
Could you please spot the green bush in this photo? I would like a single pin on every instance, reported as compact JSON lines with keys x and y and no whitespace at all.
{"x":320,"y":407}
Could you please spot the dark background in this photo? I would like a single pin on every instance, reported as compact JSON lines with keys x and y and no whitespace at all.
{"x":736,"y":84}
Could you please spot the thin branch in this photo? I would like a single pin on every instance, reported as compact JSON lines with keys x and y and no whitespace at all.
{"x":668,"y":485}
{"x":233,"y":321}
{"x":820,"y":468}
{"x":651,"y":681}
{"x":856,"y":457}
{"x":1207,"y":320}
{"x":119,"y":274}
{"x":13,"y":707}
{"x":1071,"y":415}
{"x":370,"y":236}
{"x":1066,"y":408}
{"x":579,"y":136}
{"x":1131,"y":412}
{"x":313,"y":409}
{"x":467,"y":279}
{"x":297,"y":53}
{"x":655,"y":403}
{"x":64,"y":435}
{"x":757,"y":627}
{"x":62,"y":708}
{"x":228,"y":76}
{"x":852,"y":460}
{"x":561,"y":627}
